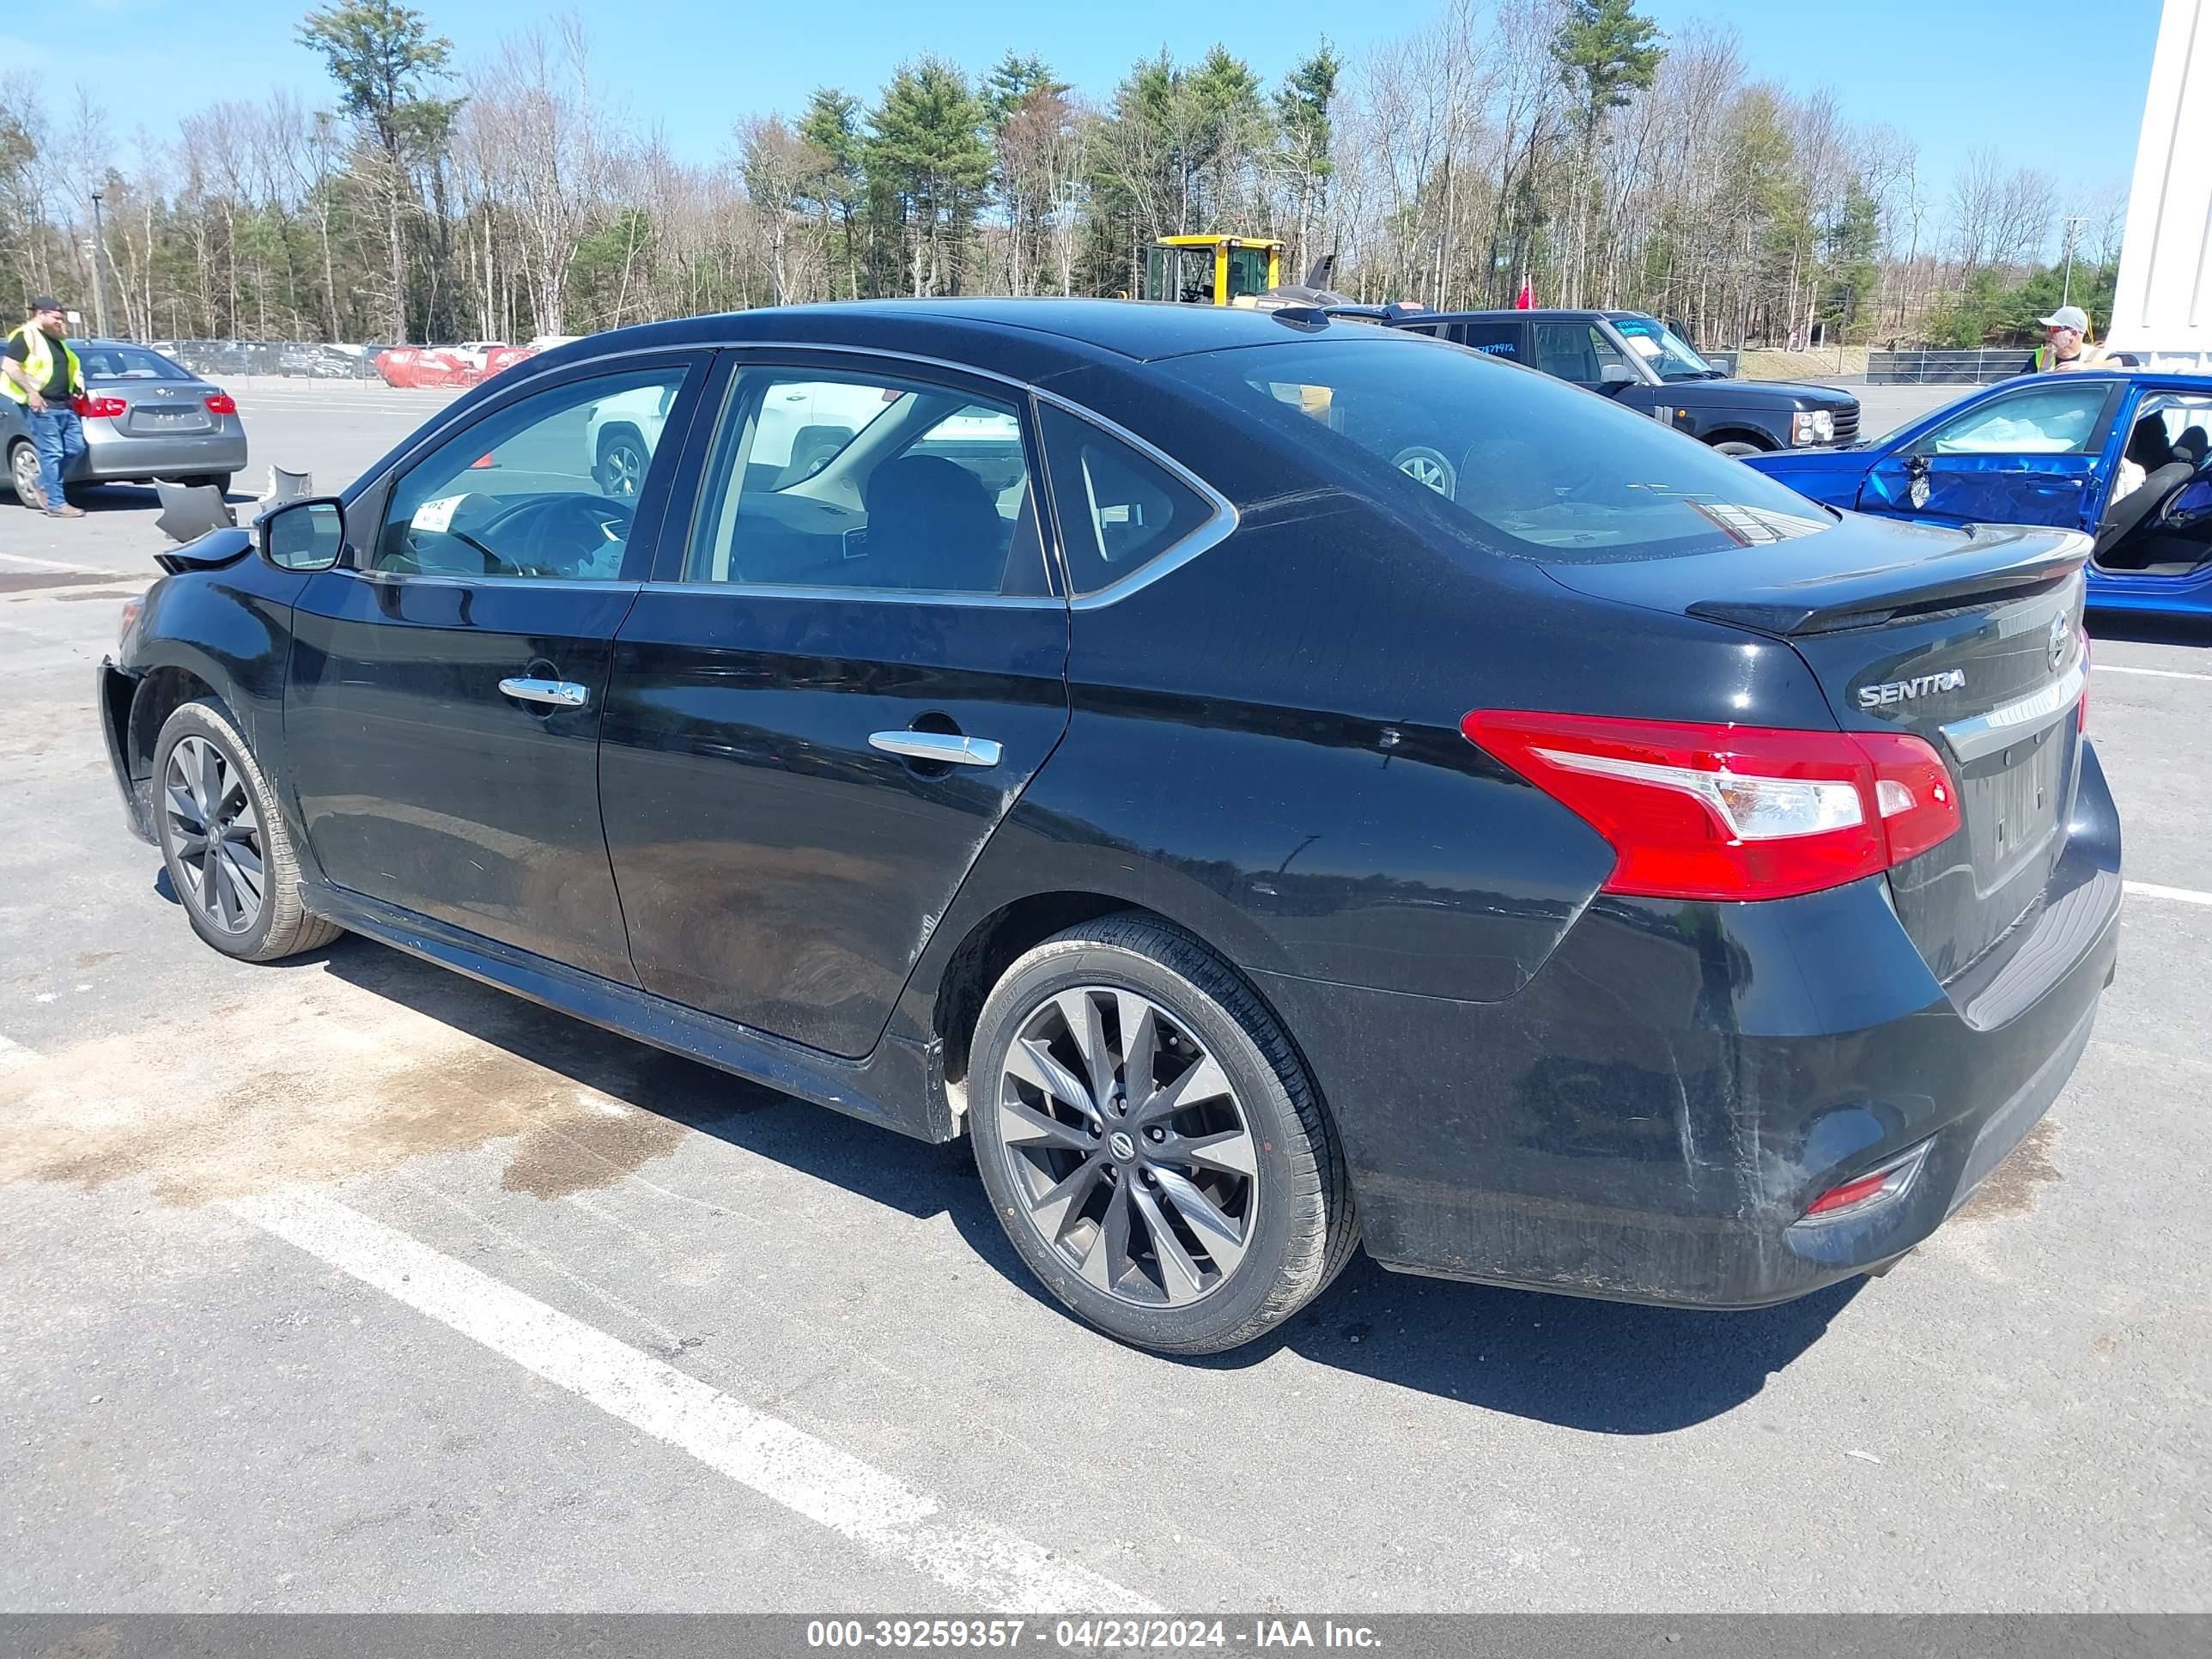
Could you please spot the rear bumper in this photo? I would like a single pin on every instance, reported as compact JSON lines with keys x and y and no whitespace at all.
{"x":110,"y":454}
{"x":1649,"y":1119}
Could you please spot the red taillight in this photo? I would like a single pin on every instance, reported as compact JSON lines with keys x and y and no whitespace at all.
{"x":1892,"y":1180}
{"x":90,"y":408}
{"x":222,"y":404}
{"x":1851,"y":1192}
{"x":1698,"y":811}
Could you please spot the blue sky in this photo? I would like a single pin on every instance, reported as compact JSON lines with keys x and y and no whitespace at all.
{"x":2054,"y":84}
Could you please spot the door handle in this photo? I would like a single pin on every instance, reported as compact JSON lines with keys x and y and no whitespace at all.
{"x":945,"y":747}
{"x":554,"y":693}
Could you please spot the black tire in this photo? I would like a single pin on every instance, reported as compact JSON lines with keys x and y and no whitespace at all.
{"x":1301,"y":1229}
{"x":280,"y":925}
{"x":1737,"y":447}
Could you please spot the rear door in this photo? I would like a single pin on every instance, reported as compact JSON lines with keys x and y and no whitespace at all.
{"x":2031,"y":454}
{"x":848,"y":665}
{"x":442,"y":714}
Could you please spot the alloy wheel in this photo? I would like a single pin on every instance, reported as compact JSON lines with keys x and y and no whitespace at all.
{"x":215,"y":833}
{"x":1428,"y":469}
{"x":23,"y":467}
{"x":1128,"y":1145}
{"x":621,"y":470}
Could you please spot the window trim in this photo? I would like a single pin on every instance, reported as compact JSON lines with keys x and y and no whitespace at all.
{"x":1218,"y":527}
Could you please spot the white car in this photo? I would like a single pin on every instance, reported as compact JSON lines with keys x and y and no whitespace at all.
{"x":807,"y":424}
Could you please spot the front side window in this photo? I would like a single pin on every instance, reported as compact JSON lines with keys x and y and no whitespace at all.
{"x":544,"y":487}
{"x":1534,"y":469}
{"x":1666,"y":351}
{"x":866,"y":482}
{"x":1579,"y":352}
{"x":1118,"y":508}
{"x":2048,"y":420}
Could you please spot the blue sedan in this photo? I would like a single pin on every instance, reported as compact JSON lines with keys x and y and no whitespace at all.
{"x":2124,"y":456}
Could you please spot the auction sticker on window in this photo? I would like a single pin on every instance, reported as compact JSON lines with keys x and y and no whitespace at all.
{"x":436,"y":517}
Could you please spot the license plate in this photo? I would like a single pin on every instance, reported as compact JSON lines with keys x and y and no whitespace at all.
{"x":167,"y":417}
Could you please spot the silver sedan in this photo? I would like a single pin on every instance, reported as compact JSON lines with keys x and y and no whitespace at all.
{"x":145,"y":418}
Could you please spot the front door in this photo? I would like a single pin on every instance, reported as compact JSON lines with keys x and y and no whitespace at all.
{"x":446,"y":691}
{"x":833,"y":694}
{"x":2032,"y":454}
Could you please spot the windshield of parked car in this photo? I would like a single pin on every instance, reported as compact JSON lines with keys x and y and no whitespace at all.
{"x":107,"y":362}
{"x":1666,"y":351}
{"x":1537,"y":468}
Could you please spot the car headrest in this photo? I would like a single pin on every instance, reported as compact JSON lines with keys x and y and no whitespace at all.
{"x":915,"y":489}
{"x":2147,"y":445}
{"x":2192,"y":445}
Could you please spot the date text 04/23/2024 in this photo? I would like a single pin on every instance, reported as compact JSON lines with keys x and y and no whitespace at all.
{"x":1088,"y":1635}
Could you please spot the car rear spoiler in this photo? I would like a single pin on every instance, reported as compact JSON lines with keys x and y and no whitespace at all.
{"x":1996,"y":561}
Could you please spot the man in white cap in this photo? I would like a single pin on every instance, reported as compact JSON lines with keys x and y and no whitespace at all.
{"x":2066,"y":336}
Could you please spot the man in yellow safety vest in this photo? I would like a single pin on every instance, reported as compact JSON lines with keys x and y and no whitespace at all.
{"x":39,"y":370}
{"x":2067,"y":345}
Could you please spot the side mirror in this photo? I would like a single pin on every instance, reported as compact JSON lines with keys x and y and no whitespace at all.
{"x":306,"y":535}
{"x":1613,"y":376}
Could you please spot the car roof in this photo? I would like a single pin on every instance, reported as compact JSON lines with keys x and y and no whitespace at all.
{"x":1029,"y":338}
{"x":1508,"y":314}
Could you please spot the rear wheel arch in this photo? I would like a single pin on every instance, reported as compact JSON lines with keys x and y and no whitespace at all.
{"x":994,"y":944}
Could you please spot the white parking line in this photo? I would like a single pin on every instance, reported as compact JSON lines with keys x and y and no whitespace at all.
{"x":39,"y":564}
{"x":2155,"y":673}
{"x":2179,"y":895}
{"x":786,"y":1465}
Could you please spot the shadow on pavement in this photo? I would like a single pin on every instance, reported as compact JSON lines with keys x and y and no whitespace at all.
{"x":1606,"y":1367}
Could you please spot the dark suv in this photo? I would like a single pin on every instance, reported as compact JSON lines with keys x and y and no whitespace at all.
{"x":1100,"y":732}
{"x":1639,"y":362}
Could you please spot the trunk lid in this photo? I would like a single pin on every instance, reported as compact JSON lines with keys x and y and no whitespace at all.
{"x":160,"y":407}
{"x":1971,"y":640}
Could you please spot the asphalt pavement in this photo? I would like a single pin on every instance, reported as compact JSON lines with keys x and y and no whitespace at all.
{"x":346,"y":1284}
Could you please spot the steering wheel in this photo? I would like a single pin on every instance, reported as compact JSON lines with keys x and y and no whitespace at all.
{"x":560,"y":533}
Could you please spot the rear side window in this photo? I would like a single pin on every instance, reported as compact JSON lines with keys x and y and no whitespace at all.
{"x":1496,"y":339}
{"x":1119,"y":509}
{"x":1533,"y":467}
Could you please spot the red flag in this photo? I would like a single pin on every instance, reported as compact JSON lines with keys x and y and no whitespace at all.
{"x":1526,"y":299}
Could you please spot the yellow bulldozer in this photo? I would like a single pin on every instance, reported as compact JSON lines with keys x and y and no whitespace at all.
{"x":1212,"y":270}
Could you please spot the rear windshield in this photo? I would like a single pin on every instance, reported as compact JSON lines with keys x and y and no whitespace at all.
{"x":107,"y":363}
{"x":1539,"y":469}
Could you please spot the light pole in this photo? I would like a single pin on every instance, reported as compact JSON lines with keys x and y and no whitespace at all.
{"x":98,"y":282}
{"x":2073,"y":232}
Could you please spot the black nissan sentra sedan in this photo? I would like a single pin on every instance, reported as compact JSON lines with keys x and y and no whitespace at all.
{"x":1075,"y":726}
